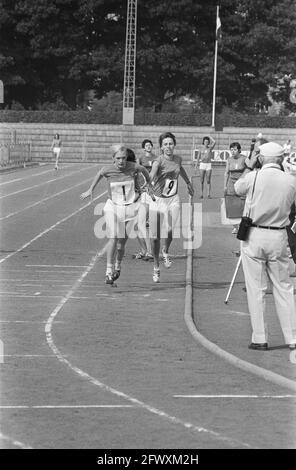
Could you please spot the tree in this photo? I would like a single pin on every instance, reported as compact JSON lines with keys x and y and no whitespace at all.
{"x":58,"y":49}
{"x":45,"y":51}
{"x":259,"y":45}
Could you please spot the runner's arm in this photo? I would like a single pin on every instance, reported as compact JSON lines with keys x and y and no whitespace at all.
{"x":96,"y":179}
{"x":147,"y":177}
{"x":153,"y":172}
{"x":184,"y":175}
{"x":213,"y":143}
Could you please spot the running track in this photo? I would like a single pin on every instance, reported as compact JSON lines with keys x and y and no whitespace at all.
{"x":89,"y":366}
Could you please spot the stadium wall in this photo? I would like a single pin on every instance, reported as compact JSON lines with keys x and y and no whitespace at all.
{"x":91,"y":142}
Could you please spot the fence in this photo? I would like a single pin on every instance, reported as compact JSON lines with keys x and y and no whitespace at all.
{"x":15,"y":154}
{"x":220,"y":156}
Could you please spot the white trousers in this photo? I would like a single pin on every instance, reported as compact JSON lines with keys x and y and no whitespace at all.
{"x":264,"y":255}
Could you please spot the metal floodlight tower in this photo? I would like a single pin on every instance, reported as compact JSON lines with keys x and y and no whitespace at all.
{"x":130,"y":64}
{"x":1,"y":92}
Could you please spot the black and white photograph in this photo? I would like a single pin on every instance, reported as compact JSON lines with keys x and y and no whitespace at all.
{"x":147,"y":230}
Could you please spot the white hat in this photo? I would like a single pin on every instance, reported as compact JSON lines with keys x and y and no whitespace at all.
{"x":271,"y":149}
{"x":259,"y":136}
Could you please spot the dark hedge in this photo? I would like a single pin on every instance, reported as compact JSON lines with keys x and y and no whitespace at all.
{"x":149,"y":119}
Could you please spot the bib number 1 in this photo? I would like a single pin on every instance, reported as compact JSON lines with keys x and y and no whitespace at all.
{"x":123,"y":192}
{"x":170,"y":188}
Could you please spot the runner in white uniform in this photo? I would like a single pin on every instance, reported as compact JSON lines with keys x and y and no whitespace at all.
{"x":164,"y":174}
{"x":56,"y":146}
{"x":121,"y":207}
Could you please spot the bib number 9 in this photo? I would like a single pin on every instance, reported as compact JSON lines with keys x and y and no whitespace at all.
{"x":170,"y":188}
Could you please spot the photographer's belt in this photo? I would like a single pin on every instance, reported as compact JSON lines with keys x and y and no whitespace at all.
{"x":268,"y":228}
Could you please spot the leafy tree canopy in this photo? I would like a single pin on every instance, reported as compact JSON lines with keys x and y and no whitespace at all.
{"x":56,"y":50}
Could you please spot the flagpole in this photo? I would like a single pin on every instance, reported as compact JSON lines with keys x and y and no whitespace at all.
{"x":215,"y":72}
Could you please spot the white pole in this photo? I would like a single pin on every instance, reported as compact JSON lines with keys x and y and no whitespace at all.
{"x":233,"y":279}
{"x":215,"y":72}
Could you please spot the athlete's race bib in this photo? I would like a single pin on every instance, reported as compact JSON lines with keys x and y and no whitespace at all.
{"x":170,"y":188}
{"x":123,"y":192}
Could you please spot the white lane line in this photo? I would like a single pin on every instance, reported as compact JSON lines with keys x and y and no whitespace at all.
{"x":54,"y":272}
{"x":29,"y":407}
{"x":233,"y":312}
{"x":43,"y":200}
{"x":234,"y":396}
{"x":50,"y":228}
{"x":31,"y":176}
{"x":43,"y":285}
{"x":12,"y":181}
{"x":14,"y":442}
{"x":28,"y":355}
{"x":27,"y":321}
{"x":57,"y":266}
{"x":11,"y":293}
{"x":34,"y":296}
{"x":43,"y":183}
{"x":161,"y":414}
{"x":33,"y":280}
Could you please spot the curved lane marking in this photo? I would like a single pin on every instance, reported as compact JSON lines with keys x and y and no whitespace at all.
{"x":240,"y":363}
{"x":173,"y":419}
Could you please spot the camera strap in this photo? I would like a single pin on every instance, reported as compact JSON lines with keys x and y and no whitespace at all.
{"x":248,"y":215}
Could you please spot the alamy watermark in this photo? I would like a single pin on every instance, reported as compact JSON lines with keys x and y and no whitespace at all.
{"x":133,"y":221}
{"x":1,"y":352}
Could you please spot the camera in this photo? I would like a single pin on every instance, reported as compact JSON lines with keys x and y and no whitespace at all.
{"x":244,"y":228}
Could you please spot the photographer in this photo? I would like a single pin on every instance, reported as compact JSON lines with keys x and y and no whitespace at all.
{"x":270,"y":194}
{"x":252,"y":161}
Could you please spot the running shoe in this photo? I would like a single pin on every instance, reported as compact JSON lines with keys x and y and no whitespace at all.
{"x":109,"y":279}
{"x":166,"y":259}
{"x":234,"y":230}
{"x":148,"y":257}
{"x":156,"y":275}
{"x":116,"y":274}
{"x":139,"y":255}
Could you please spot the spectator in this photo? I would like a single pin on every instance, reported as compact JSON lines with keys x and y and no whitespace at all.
{"x":270,"y":194}
{"x":204,"y":158}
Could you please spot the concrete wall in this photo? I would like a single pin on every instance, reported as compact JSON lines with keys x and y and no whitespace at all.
{"x":91,"y":143}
